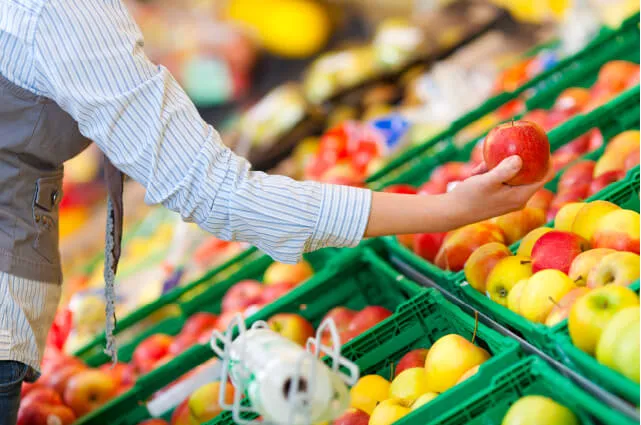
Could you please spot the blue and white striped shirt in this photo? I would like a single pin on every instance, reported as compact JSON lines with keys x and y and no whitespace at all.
{"x":87,"y":56}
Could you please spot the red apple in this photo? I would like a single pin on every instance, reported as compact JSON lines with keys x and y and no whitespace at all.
{"x":352,"y":416}
{"x":367,"y":318}
{"x":149,"y":351}
{"x":557,"y":250}
{"x":44,"y":395}
{"x":205,"y":335}
{"x":342,"y":174}
{"x":295,"y":273}
{"x":182,"y":342}
{"x":275,"y":291}
{"x":477,"y":153}
{"x":181,"y":414}
{"x":449,"y":172}
{"x":123,"y":373}
{"x":225,"y":319}
{"x":572,"y":100}
{"x":154,"y":421}
{"x":316,"y":167}
{"x":541,"y":199}
{"x":577,"y":146}
{"x":604,"y":180}
{"x":242,"y":295}
{"x":59,"y":378}
{"x":89,"y":390}
{"x":427,"y":245}
{"x":556,"y":117}
{"x":577,"y":175}
{"x":461,"y":243}
{"x":27,"y":387}
{"x":405,"y":189}
{"x":342,"y":316}
{"x":525,"y":139}
{"x":595,"y":140}
{"x":414,"y":358}
{"x":45,"y":414}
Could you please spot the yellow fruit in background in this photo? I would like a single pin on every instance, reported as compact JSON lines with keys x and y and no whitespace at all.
{"x":72,"y":219}
{"x":587,"y":219}
{"x":626,"y":353}
{"x":389,"y":411}
{"x":514,"y":297}
{"x":424,"y":399}
{"x":612,"y":334}
{"x":288,"y":28}
{"x":368,"y":392}
{"x":507,"y":273}
{"x":449,"y":359}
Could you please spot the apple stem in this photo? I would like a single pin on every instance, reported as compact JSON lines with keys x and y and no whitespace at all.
{"x":524,"y":262}
{"x":476,"y":325}
{"x":554,"y":302}
{"x":392,"y":370}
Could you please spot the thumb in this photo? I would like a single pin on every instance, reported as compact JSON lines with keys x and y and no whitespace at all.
{"x":507,"y":169}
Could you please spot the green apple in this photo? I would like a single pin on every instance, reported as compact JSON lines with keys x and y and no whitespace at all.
{"x":539,"y":410}
{"x":611,"y":336}
{"x":626,"y":355}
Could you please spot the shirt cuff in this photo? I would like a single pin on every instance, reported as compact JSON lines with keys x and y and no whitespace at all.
{"x":343,"y":217}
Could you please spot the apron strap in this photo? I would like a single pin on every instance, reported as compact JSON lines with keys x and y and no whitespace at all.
{"x":115,"y":182}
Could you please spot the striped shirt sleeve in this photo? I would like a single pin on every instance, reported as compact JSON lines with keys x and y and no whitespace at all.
{"x":88,"y":57}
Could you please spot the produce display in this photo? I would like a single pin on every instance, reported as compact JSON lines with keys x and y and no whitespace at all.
{"x":562,"y":273}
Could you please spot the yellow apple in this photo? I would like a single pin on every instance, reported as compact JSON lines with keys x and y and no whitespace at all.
{"x":507,"y":273}
{"x":525,"y":248}
{"x":561,"y":310}
{"x":468,"y":374}
{"x":389,"y":411}
{"x":539,"y":410}
{"x":542,"y":291}
{"x":448,"y":359}
{"x":587,"y":219}
{"x":618,"y":230}
{"x":482,"y":261}
{"x":368,"y":392}
{"x":424,"y":399}
{"x":291,"y":273}
{"x":611,"y":335}
{"x":409,"y":384}
{"x":517,"y":224}
{"x":584,"y":262}
{"x":591,"y":313}
{"x":514,"y":297}
{"x":626,"y":355}
{"x":618,"y":268}
{"x":566,"y":215}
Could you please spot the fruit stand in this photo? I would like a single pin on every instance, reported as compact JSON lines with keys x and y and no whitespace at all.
{"x":534,"y":314}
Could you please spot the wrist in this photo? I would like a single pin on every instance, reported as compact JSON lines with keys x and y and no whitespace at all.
{"x":453,"y":210}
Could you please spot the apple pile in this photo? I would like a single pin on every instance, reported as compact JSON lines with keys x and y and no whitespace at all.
{"x":604,"y":323}
{"x":592,"y":245}
{"x":540,"y":410}
{"x":68,"y":389}
{"x":420,"y":376}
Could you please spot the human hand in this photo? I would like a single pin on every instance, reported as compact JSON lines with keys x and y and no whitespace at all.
{"x":485,"y":195}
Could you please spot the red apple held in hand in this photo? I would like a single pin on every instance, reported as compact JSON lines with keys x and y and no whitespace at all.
{"x":578,"y":174}
{"x":352,"y":416}
{"x":414,"y":358}
{"x":292,"y":326}
{"x":404,"y":189}
{"x":275,"y":291}
{"x":45,"y":414}
{"x":123,"y":373}
{"x":367,"y":318}
{"x":242,"y":295}
{"x":427,"y":245}
{"x":525,"y":139}
{"x":89,"y":390}
{"x":557,"y":250}
{"x":461,"y":243}
{"x":605,"y":180}
{"x":149,"y":351}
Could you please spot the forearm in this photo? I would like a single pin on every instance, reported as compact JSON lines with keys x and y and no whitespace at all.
{"x":395,"y":214}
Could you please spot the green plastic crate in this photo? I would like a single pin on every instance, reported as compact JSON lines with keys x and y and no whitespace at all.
{"x":419,"y":323}
{"x":618,"y":115}
{"x":251,"y":267}
{"x":359,"y":277}
{"x":579,"y":69}
{"x":588,"y":366}
{"x":138,"y":317}
{"x":532,"y":376}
